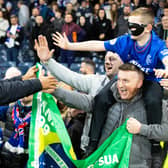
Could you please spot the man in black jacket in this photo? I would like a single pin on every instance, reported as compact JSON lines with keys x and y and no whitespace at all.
{"x":22,"y":86}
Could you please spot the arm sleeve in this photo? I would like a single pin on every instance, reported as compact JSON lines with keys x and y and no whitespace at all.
{"x":3,"y":111}
{"x":156,"y":131}
{"x":13,"y":90}
{"x":18,"y":78}
{"x":119,"y":45}
{"x":74,"y":99}
{"x":78,"y":81}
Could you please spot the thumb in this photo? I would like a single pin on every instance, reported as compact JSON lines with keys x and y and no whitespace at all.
{"x":51,"y":53}
{"x":65,"y":36}
{"x":36,"y":44}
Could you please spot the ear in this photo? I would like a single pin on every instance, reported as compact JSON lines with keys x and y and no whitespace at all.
{"x":149,"y":28}
{"x":140,"y":83}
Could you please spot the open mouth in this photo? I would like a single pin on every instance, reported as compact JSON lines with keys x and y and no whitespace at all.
{"x":109,"y":68}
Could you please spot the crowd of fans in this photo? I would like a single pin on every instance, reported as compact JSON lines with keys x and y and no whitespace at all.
{"x":21,"y":22}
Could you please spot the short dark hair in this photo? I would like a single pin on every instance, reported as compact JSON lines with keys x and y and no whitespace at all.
{"x":131,"y":67}
{"x":166,"y":6}
{"x":89,"y":62}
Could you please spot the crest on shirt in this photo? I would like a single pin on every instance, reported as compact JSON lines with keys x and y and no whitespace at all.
{"x":113,"y":41}
{"x":148,"y":59}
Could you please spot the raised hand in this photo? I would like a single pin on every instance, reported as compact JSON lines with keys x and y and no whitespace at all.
{"x":31,"y":73}
{"x":48,"y":82}
{"x":42,"y":48}
{"x":61,"y":40}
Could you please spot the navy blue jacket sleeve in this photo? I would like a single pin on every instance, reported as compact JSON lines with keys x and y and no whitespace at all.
{"x":3,"y":111}
{"x":13,"y":90}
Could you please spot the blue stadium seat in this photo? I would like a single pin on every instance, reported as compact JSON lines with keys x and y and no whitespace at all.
{"x":100,"y":68}
{"x":97,"y":60}
{"x":3,"y":67}
{"x":24,"y":66}
{"x":75,"y":67}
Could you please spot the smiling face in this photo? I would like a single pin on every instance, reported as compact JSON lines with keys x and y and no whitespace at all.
{"x":112,"y":62}
{"x":128,"y":83}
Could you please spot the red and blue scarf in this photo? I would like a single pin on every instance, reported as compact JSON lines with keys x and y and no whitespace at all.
{"x":16,"y":143}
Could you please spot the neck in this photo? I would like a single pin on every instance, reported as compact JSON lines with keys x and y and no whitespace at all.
{"x":144,"y":39}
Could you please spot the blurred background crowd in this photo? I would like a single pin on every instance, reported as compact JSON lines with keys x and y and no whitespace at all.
{"x":22,"y":21}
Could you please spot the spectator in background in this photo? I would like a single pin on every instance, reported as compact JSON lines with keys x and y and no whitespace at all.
{"x":102,"y":27}
{"x":45,"y":11}
{"x":74,"y":33}
{"x":9,"y":10}
{"x":4,"y":24}
{"x":54,"y":7}
{"x":33,"y":4}
{"x":23,"y":13}
{"x":32,"y":22}
{"x":95,"y":13}
{"x":164,"y":28}
{"x":2,"y":5}
{"x":70,"y":9}
{"x":87,"y":67}
{"x":41,"y":27}
{"x":128,"y":3}
{"x":84,"y":10}
{"x":17,"y":118}
{"x":136,"y":4}
{"x":122,"y":23}
{"x":159,"y":15}
{"x":113,"y":18}
{"x":14,"y":38}
{"x":87,"y":27}
{"x":58,"y":21}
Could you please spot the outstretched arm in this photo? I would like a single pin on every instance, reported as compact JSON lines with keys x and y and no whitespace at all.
{"x":81,"y":82}
{"x":74,"y":99}
{"x":63,"y":42}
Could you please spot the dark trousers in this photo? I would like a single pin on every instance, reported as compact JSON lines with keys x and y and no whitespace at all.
{"x":152,"y":95}
{"x":12,"y":54}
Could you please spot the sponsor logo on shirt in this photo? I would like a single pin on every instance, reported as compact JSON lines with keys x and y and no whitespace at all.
{"x":113,"y":41}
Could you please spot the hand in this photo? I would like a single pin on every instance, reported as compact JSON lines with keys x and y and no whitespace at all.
{"x":164,"y":83}
{"x":42,"y":48}
{"x":48,"y":82}
{"x":48,"y":91}
{"x":61,"y":41}
{"x":31,"y":73}
{"x":133,"y":126}
{"x":102,"y":36}
{"x":161,"y":73}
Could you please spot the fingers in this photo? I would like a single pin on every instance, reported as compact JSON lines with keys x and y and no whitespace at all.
{"x":34,"y":68}
{"x":57,"y":38}
{"x":51,"y":53}
{"x":161,"y":73}
{"x":164,"y":82}
{"x":45,"y":41}
{"x":36,"y":45}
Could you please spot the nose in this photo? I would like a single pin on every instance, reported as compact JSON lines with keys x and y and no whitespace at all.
{"x":120,"y":83}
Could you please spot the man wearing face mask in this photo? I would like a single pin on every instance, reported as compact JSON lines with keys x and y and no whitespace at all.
{"x":141,"y":47}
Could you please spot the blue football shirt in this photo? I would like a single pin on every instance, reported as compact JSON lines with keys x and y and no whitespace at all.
{"x":146,"y":57}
